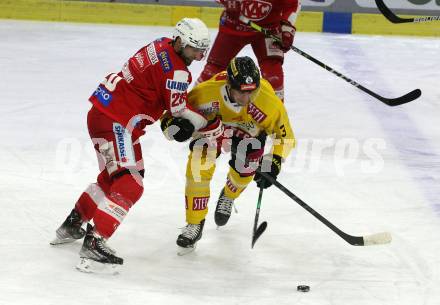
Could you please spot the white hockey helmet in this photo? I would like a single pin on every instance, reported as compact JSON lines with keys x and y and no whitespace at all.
{"x":193,"y":32}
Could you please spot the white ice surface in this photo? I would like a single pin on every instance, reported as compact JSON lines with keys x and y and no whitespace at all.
{"x":48,"y":71}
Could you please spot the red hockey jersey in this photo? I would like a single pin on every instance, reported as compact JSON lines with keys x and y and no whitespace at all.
{"x":155,"y":79}
{"x":266,"y":13}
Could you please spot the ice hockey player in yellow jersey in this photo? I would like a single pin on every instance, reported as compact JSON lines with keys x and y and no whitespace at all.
{"x":243,"y":109}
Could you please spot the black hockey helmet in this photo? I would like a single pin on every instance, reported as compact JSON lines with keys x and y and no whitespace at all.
{"x":243,"y":74}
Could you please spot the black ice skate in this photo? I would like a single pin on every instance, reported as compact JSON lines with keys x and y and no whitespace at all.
{"x":96,"y":256}
{"x":190,"y":235}
{"x":223,"y":209}
{"x":70,"y":230}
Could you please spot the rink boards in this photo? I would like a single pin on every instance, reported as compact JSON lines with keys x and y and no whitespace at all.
{"x":137,"y":14}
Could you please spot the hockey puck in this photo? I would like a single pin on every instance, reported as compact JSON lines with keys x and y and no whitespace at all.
{"x":303,"y":288}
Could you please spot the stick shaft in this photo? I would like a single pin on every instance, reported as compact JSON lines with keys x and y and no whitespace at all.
{"x":374,"y":239}
{"x":257,"y":213}
{"x":388,"y":101}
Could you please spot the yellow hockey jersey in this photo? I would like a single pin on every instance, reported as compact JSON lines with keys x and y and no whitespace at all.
{"x":266,"y":113}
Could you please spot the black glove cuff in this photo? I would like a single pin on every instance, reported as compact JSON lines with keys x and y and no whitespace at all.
{"x":276,"y":164}
{"x":177,"y":129}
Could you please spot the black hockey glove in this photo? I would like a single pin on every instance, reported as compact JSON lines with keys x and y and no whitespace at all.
{"x":271,"y":165}
{"x":178,"y":129}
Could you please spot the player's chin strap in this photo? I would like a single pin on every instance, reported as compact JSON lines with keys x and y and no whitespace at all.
{"x":213,"y":130}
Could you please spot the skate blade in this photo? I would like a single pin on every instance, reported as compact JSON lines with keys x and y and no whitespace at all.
{"x":184,"y":251}
{"x":62,"y":241}
{"x":87,"y":265}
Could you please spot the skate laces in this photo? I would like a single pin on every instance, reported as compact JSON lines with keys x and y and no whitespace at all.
{"x":102,"y":246}
{"x":101,"y":243}
{"x":191,"y":231}
{"x":224,"y":205}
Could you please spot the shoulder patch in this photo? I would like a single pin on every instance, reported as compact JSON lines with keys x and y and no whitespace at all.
{"x":151,"y":51}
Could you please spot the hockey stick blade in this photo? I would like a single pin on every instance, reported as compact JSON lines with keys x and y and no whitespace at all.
{"x":258,"y":232}
{"x":390,"y":15}
{"x":367,"y":240}
{"x":377,"y":239}
{"x":409,"y":97}
{"x":396,"y":19}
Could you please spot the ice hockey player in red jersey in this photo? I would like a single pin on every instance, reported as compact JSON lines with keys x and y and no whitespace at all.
{"x":277,"y":15}
{"x":154,"y":80}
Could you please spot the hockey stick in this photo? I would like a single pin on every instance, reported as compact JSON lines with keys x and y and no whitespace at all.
{"x":258,"y":229}
{"x":388,"y":101}
{"x":367,"y":240}
{"x":396,"y":19}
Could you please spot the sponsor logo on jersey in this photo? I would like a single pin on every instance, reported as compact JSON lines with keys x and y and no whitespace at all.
{"x":200,"y":203}
{"x":103,"y":95}
{"x":127,"y":73}
{"x":256,"y":113}
{"x":116,"y":210}
{"x":140,"y":61}
{"x":177,"y":86}
{"x":246,"y":125}
{"x":212,"y":107}
{"x":165,"y":61}
{"x":231,"y":186}
{"x":216,"y":106}
{"x":151,"y":51}
{"x":119,"y":133}
{"x":256,"y":10}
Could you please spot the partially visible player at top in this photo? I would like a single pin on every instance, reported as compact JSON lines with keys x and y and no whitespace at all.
{"x":279,"y":16}
{"x":154,"y":80}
